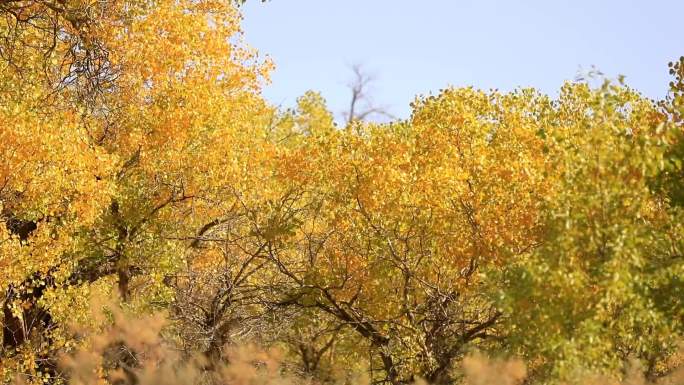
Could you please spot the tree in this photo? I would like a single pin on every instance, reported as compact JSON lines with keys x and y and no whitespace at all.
{"x":138,"y":160}
{"x":602,"y":288}
{"x":100,"y":179}
{"x":384,"y":228}
{"x":361,"y":107}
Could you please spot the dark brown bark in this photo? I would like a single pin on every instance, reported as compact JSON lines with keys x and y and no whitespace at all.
{"x":36,"y":319}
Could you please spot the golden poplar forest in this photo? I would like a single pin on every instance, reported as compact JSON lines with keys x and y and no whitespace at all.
{"x":162,"y":223}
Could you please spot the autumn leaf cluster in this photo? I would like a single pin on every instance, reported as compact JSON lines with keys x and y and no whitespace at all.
{"x":139,"y":161}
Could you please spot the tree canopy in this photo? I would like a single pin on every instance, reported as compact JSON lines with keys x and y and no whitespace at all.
{"x":138,"y":159}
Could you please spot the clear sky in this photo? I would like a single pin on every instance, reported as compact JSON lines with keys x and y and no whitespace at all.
{"x":416,"y":47}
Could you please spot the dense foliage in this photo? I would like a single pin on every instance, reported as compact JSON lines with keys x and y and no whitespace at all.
{"x":139,"y":160}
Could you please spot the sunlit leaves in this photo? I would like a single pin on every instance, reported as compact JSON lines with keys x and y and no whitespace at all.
{"x":592,"y":294}
{"x":138,"y":159}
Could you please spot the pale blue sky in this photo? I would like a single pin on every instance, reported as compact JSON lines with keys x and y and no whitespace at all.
{"x":419,"y":46}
